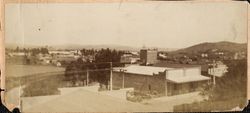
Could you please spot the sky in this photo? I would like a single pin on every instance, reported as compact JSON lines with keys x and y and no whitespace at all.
{"x":157,"y":24}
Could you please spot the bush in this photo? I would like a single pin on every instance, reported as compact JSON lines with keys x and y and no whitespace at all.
{"x":228,"y":93}
{"x":231,"y":85}
{"x":136,"y":96}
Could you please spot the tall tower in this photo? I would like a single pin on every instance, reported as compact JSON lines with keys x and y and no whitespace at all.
{"x":148,"y":56}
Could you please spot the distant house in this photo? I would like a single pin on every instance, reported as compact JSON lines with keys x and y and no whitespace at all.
{"x":185,"y":60}
{"x":17,"y":54}
{"x":148,"y":56}
{"x":60,"y":60}
{"x":125,"y":58}
{"x":129,"y":59}
{"x":44,"y":59}
{"x":204,"y":55}
{"x":163,"y":80}
{"x":239,"y":55}
{"x":219,"y":53}
{"x":63,"y":57}
{"x":90,"y":58}
{"x":162,"y":56}
{"x":134,"y":53}
{"x":57,"y":52}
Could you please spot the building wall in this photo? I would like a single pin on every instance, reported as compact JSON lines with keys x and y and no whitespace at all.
{"x":175,"y":89}
{"x":143,"y":55}
{"x":181,"y":72}
{"x":143,"y":83}
{"x":193,"y":71}
{"x":158,"y":83}
{"x":174,"y":72}
{"x":148,"y":56}
{"x":151,"y":57}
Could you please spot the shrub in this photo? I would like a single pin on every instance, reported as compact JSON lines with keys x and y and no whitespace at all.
{"x":137,"y":96}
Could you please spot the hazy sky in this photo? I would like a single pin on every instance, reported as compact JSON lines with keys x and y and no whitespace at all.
{"x":161,"y":24}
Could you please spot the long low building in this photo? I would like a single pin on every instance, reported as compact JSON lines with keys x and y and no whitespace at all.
{"x":163,"y":80}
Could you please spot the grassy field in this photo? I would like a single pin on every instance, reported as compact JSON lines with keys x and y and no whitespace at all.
{"x":16,"y":70}
{"x":17,"y":75}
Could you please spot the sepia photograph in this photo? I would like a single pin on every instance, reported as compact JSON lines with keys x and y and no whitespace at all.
{"x":147,"y":56}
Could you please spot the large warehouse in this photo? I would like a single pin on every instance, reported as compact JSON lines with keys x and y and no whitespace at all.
{"x":163,"y":80}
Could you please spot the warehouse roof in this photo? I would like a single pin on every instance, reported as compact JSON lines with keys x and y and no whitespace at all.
{"x":176,"y":75}
{"x":144,"y":70}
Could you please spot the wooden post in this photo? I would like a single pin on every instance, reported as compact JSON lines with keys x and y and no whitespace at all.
{"x":214,"y":79}
{"x":111,"y":76}
{"x":166,"y":87}
{"x":123,"y":78}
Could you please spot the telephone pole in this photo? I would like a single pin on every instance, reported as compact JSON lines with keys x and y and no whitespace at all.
{"x":123,"y":78}
{"x":87,"y":77}
{"x":111,"y":76}
{"x":214,"y":63}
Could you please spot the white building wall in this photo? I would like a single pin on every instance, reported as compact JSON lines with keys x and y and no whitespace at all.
{"x":183,"y":72}
{"x":193,"y":71}
{"x":175,"y":72}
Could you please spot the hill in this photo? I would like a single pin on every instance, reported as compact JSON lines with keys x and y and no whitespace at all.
{"x":221,"y":46}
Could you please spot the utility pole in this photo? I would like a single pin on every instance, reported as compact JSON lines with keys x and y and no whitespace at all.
{"x":87,"y":76}
{"x":214,"y":72}
{"x":111,"y":76}
{"x":123,"y":78}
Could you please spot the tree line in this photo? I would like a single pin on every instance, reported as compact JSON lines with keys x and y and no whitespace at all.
{"x":97,"y":70}
{"x":33,"y":51}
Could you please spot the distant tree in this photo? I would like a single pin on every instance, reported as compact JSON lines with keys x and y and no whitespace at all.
{"x":101,"y":63}
{"x":27,"y":60}
{"x":44,"y":51}
{"x":70,"y":72}
{"x":17,"y":49}
{"x":79,"y":61}
{"x":83,"y":51}
{"x":25,"y":50}
{"x":35,"y":51}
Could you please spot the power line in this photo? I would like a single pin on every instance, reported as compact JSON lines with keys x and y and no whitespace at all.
{"x":89,"y":63}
